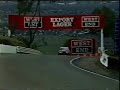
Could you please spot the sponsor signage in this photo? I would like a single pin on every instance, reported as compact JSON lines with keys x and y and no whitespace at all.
{"x":90,"y":21}
{"x":82,"y":46}
{"x":81,"y":50}
{"x":62,"y":22}
{"x":32,"y":22}
{"x":56,"y":22}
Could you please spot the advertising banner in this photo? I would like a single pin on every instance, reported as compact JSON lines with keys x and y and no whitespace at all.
{"x":56,"y":22}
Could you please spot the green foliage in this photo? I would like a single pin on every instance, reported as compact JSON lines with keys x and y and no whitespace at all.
{"x":11,"y":41}
{"x":1,"y":16}
{"x":34,"y":46}
{"x":24,"y":6}
{"x":110,"y":20}
{"x":54,"y":43}
{"x":68,"y":42}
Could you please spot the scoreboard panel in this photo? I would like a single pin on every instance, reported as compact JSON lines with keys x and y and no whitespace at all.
{"x":85,"y":46}
{"x":32,"y":22}
{"x":90,"y":21}
{"x":82,"y":50}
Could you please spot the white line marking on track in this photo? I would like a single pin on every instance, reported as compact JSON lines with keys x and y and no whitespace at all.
{"x":71,"y":62}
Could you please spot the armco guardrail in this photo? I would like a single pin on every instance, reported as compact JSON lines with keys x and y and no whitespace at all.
{"x":17,"y":49}
{"x":27,"y":50}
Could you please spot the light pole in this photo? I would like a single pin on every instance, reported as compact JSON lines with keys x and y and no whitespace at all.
{"x":9,"y":33}
{"x":102,"y":41}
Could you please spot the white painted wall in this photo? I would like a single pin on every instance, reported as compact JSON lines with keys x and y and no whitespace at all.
{"x":17,"y":49}
{"x":7,"y":49}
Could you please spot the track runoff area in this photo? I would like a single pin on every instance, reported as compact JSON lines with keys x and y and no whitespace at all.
{"x":82,"y":47}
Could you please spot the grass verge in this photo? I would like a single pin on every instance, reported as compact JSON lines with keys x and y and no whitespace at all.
{"x":11,"y":41}
{"x":93,"y":64}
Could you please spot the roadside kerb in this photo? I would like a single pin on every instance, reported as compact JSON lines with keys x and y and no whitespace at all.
{"x":71,"y":62}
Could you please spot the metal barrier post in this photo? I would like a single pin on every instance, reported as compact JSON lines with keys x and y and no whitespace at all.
{"x":102,"y":41}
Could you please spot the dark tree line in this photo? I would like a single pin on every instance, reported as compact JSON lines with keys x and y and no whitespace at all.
{"x":110,"y":18}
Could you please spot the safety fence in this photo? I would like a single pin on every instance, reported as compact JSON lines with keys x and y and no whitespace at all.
{"x":25,"y":50}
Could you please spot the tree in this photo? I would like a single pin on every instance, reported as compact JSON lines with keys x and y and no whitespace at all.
{"x":24,"y":7}
{"x":110,"y":20}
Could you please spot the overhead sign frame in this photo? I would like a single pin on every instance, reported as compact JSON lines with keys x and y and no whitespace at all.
{"x":70,"y":22}
{"x":17,"y":22}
